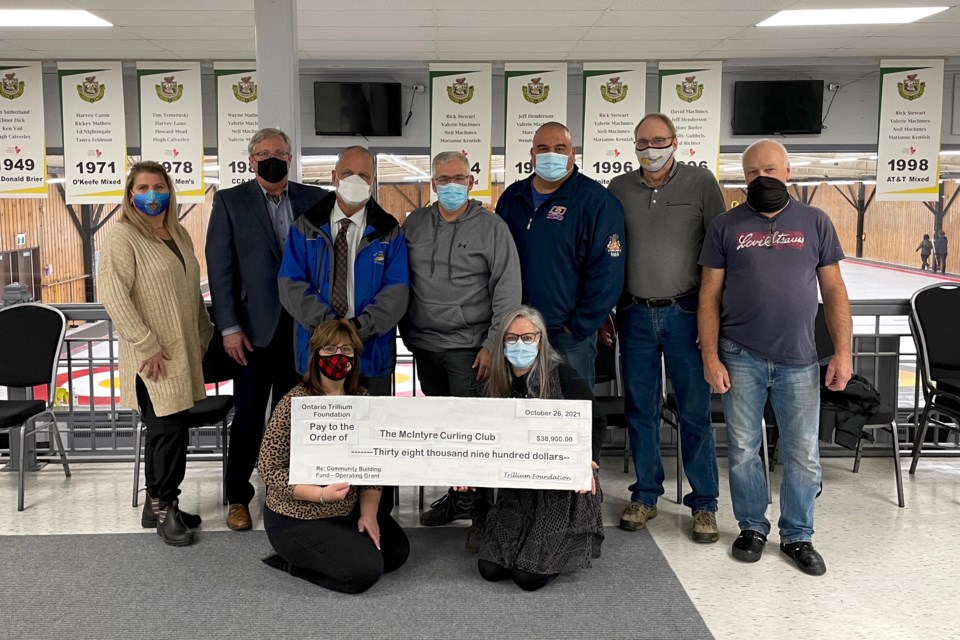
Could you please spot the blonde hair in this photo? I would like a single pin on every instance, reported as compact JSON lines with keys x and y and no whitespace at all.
{"x":129,"y":213}
{"x":540,"y":376}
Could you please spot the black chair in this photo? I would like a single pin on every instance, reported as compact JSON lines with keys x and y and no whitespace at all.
{"x":933,"y":323}
{"x":607,"y":370}
{"x":31,"y":337}
{"x":212,"y":411}
{"x":885,"y":418}
{"x":670,"y":413}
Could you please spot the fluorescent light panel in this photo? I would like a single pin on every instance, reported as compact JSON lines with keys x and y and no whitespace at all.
{"x":50,"y":18}
{"x":886,"y":15}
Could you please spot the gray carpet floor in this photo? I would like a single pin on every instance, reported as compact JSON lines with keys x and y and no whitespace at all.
{"x":133,"y":586}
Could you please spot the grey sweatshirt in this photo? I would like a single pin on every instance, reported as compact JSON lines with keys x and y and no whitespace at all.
{"x":464,"y":278}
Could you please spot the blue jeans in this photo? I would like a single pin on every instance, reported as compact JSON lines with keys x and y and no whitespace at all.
{"x":645,"y":334}
{"x":582,"y":356}
{"x":794,"y":392}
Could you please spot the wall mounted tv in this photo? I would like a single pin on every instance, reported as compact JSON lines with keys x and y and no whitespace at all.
{"x":357,"y":109}
{"x":777,"y":107}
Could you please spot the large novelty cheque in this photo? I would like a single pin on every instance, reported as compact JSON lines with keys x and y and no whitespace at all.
{"x":485,"y":442}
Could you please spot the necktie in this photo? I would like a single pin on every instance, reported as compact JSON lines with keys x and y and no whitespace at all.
{"x":338,"y":297}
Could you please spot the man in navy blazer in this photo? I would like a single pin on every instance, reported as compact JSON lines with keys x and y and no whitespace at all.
{"x":245,"y":242}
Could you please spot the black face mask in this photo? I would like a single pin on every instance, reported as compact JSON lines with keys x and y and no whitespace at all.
{"x":273,"y":170}
{"x":767,"y":195}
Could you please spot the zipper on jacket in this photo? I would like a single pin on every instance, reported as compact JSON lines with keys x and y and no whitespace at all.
{"x":530,"y":222}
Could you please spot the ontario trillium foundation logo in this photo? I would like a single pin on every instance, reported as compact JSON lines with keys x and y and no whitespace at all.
{"x":911,"y":88}
{"x":535,"y":91}
{"x":460,"y":91}
{"x":91,"y":89}
{"x":12,"y":87}
{"x":690,"y":90}
{"x":169,"y":90}
{"x":614,"y":90}
{"x":245,"y":90}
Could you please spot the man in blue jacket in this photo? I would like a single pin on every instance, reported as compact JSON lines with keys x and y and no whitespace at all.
{"x":570,"y":238}
{"x":371,"y":289}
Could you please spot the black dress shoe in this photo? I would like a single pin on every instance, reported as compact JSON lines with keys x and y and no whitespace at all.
{"x":805,"y":557}
{"x":171,"y":528}
{"x":148,"y":517}
{"x":748,"y":547}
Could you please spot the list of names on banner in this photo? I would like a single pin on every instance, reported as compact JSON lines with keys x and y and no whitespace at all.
{"x":94,"y":132}
{"x":171,"y":124}
{"x":237,"y":121}
{"x":23,"y":167}
{"x":461,"y":118}
{"x":911,"y":112}
{"x":534,"y":97}
{"x":690,"y":96}
{"x":614,"y":102}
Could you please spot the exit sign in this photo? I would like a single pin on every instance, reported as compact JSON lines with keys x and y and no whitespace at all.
{"x":21,"y":239}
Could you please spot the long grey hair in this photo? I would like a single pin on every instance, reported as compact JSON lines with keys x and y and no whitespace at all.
{"x":540,"y":380}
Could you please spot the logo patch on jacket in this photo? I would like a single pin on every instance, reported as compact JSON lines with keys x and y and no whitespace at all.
{"x":556,"y":213}
{"x":378,"y":257}
{"x":613,"y":246}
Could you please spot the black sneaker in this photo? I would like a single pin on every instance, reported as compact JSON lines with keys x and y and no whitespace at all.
{"x":449,"y":507}
{"x":805,"y":557}
{"x":748,"y":547}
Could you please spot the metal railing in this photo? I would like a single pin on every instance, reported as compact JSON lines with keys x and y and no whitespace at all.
{"x":97,"y":428}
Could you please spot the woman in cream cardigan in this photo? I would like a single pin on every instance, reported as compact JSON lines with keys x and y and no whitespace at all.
{"x":149,"y":282}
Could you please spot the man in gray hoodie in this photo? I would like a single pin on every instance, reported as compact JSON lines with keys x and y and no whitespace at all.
{"x":464,"y":277}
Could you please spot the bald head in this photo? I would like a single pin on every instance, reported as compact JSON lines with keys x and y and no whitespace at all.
{"x":766,"y":158}
{"x":552,"y":131}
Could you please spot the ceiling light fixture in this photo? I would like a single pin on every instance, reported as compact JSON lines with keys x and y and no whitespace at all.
{"x":50,"y":18}
{"x":814,"y":17}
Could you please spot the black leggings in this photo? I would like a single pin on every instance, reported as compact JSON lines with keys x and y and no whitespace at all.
{"x":331,"y":553}
{"x":493,"y":572}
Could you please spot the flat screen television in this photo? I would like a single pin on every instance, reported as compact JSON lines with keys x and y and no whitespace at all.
{"x":357,"y":109}
{"x":776,"y":107}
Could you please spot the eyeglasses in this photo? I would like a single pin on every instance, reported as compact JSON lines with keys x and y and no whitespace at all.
{"x":526,"y":338}
{"x":442,"y":180}
{"x":332,"y":349}
{"x":656,"y":143}
{"x":263,"y":155}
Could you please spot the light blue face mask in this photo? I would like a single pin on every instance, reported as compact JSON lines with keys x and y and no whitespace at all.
{"x":551,"y":166}
{"x":151,"y":203}
{"x":452,"y":196}
{"x":520,"y":355}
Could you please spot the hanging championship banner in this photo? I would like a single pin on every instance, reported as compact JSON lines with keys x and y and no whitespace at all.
{"x":237,"y":121}
{"x":690,"y":96}
{"x":171,"y":124}
{"x":908,"y":149}
{"x":614,"y":101}
{"x":461,"y":118}
{"x":94,"y":132}
{"x":536,"y":94}
{"x":23,"y":158}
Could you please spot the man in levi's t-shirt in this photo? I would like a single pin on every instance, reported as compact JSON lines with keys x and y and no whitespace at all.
{"x":762,"y":263}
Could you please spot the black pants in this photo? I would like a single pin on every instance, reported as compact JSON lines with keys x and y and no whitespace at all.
{"x":448,"y":373}
{"x":269,"y":369}
{"x":451,"y":374}
{"x":330,"y":552}
{"x":165,"y":451}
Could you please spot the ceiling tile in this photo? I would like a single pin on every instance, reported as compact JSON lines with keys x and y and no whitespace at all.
{"x":641,"y":33}
{"x":365,"y":33}
{"x":898,"y":43}
{"x":507,"y":6}
{"x":522,"y":16}
{"x":493,"y":50}
{"x":510,"y":33}
{"x":365,"y":5}
{"x":400,"y":46}
{"x":179,"y":18}
{"x":65,"y":33}
{"x":683,"y":18}
{"x":396,"y":19}
{"x":700,"y":5}
{"x":79,"y":48}
{"x":781,"y":46}
{"x":168,"y":5}
{"x":202,"y":46}
{"x":240,"y":34}
{"x":627,"y":46}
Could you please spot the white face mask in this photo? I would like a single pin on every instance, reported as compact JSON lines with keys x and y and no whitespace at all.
{"x":652,"y":159}
{"x":353,"y":190}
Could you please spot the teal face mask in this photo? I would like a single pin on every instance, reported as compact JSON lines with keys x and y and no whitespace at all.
{"x":551,"y":166}
{"x":452,"y":196}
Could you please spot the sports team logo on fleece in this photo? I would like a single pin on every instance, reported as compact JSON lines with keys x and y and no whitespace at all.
{"x":770,"y":240}
{"x":378,"y":257}
{"x":613,"y":246}
{"x":556,"y":213}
